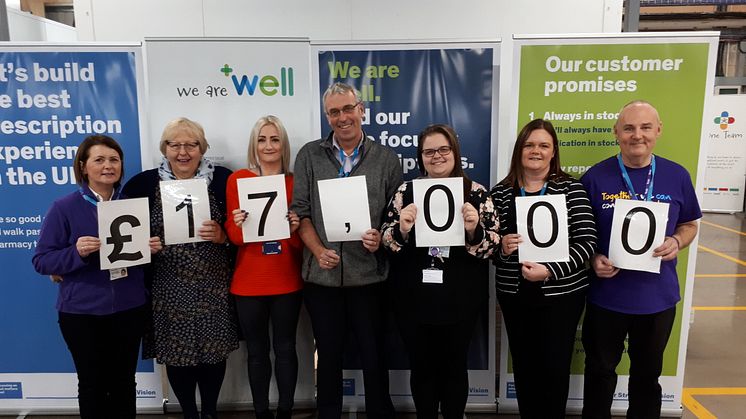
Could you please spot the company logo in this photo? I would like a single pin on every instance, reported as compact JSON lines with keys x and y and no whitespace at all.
{"x":724,"y":120}
{"x":263,"y":84}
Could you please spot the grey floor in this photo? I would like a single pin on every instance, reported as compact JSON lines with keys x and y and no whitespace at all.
{"x":715,"y":377}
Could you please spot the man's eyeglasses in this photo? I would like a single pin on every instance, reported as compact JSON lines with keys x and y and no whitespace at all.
{"x":443,"y":151}
{"x":347,"y":110}
{"x":189,"y":147}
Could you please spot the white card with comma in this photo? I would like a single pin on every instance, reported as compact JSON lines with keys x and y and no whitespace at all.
{"x":344,"y":208}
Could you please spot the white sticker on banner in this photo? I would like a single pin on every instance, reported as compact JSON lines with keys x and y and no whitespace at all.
{"x":439,"y":219}
{"x":186,"y":205}
{"x":638,"y":227}
{"x":265,"y":200}
{"x":124,"y":231}
{"x":542,"y":224}
{"x":344,"y":207}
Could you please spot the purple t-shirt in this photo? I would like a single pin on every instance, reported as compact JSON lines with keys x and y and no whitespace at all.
{"x":637,"y":292}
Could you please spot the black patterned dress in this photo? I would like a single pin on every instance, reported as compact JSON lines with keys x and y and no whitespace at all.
{"x":193,"y":315}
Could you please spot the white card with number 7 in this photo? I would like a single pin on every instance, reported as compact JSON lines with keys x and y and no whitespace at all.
{"x":265,"y":200}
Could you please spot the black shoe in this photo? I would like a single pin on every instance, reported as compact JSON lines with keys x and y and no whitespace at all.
{"x":209,"y":415}
{"x":264,"y":415}
{"x":284,"y":414}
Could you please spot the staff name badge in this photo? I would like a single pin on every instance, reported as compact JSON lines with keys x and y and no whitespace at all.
{"x":542,"y":224}
{"x":186,"y":205}
{"x":264,"y":198}
{"x":637,"y":228}
{"x":344,"y":208}
{"x":439,"y":219}
{"x":124,"y":231}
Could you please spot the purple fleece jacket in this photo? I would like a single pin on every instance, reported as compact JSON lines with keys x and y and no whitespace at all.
{"x":85,"y":288}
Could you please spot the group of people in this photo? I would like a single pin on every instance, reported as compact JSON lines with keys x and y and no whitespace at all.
{"x":189,"y":304}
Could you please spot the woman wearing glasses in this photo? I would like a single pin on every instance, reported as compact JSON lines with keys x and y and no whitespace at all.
{"x":439,"y":291}
{"x":194,"y":323}
{"x":541,"y":302}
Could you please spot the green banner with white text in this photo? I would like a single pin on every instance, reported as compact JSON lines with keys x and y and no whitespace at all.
{"x":580,"y":84}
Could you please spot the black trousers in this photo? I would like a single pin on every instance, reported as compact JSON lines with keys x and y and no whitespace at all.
{"x":541,"y":336}
{"x":185,"y":381}
{"x":336,"y":312}
{"x":255,"y":315}
{"x":604,"y":332}
{"x":105,"y":351}
{"x":439,"y":376}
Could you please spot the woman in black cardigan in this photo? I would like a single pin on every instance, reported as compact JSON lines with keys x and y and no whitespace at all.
{"x":194,"y":321}
{"x":541,"y":302}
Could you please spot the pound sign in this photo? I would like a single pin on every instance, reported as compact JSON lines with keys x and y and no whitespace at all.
{"x":118,"y":240}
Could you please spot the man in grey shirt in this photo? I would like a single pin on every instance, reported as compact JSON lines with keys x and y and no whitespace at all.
{"x":344,"y":290}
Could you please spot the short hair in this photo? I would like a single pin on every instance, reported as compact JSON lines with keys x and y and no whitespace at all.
{"x":184,"y":126}
{"x":637,"y":102}
{"x":83,"y":152}
{"x":340,"y":88}
{"x":515,"y":173}
{"x":254,"y":141}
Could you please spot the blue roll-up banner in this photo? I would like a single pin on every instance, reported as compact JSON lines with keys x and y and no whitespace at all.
{"x":406,"y":88}
{"x":51,"y":99}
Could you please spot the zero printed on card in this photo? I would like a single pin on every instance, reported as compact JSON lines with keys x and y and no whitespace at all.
{"x":542,"y":224}
{"x":638,"y":227}
{"x":439,"y":219}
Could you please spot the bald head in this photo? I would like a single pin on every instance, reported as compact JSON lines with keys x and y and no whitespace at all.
{"x":637,"y":131}
{"x":636,"y":103}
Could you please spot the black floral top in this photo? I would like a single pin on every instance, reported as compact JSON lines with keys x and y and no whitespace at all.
{"x":465,"y":270}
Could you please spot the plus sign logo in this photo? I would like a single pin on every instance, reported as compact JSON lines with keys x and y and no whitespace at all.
{"x":226,"y":70}
{"x":724,"y":120}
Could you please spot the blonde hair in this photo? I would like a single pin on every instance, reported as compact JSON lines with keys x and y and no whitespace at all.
{"x":184,"y":126}
{"x":254,"y":141}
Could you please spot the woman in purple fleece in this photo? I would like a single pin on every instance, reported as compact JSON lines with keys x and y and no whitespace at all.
{"x":101,"y":312}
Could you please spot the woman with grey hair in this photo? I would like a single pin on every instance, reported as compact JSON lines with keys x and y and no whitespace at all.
{"x":194,"y":323}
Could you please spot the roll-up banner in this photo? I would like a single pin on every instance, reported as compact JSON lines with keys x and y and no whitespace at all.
{"x":406,"y":87}
{"x":580,"y":83}
{"x":52,"y":97}
{"x":226,"y":85}
{"x":725,"y":138}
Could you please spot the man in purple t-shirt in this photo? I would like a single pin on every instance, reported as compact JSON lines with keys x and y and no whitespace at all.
{"x":623,"y":302}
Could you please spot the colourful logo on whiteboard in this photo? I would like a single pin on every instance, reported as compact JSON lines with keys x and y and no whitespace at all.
{"x":724,"y":120}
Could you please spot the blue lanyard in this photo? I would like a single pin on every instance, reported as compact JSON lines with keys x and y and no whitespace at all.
{"x":343,"y":158}
{"x":648,"y":183}
{"x":94,"y":202}
{"x":542,"y":192}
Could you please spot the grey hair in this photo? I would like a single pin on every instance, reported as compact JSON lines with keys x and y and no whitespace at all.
{"x":340,"y":88}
